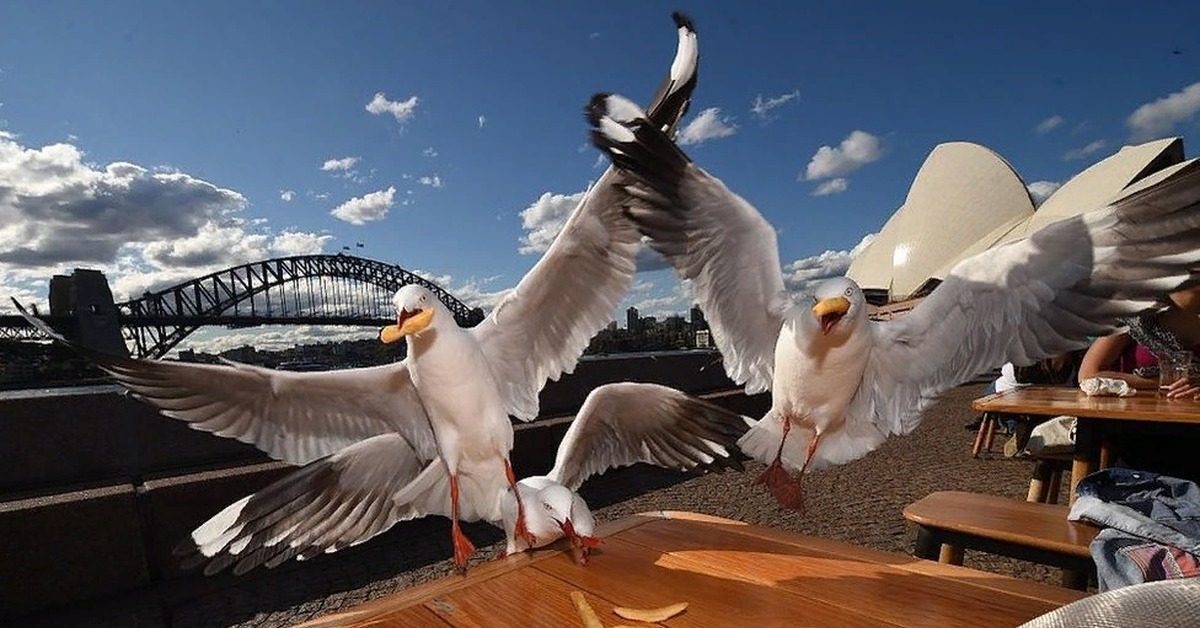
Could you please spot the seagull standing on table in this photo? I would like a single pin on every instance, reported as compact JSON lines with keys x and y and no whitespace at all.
{"x":619,"y":425}
{"x":428,"y":435}
{"x":841,"y":383}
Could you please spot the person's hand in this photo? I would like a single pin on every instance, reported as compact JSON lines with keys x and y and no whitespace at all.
{"x":1187,"y":388}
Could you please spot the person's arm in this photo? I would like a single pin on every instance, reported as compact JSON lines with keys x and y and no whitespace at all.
{"x":1102,"y":356}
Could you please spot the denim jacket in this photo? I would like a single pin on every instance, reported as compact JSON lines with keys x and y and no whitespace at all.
{"x":1151,"y":526}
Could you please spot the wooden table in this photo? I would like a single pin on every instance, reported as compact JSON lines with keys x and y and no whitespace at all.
{"x":730,"y":573}
{"x":1098,"y":418}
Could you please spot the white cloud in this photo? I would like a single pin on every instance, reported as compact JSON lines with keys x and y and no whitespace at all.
{"x":832,"y":186}
{"x":272,"y":337}
{"x":287,"y":196}
{"x":482,"y":121}
{"x":660,"y":304}
{"x":1084,"y":151}
{"x":544,"y":219}
{"x":707,"y":125}
{"x":1047,"y":125}
{"x":1039,"y":191}
{"x":401,"y":110}
{"x":474,"y":292}
{"x":434,"y":182}
{"x":857,"y":150}
{"x":761,"y":107}
{"x":429,"y":152}
{"x":56,"y":208}
{"x":1157,"y":118}
{"x":335,"y":165}
{"x":363,"y":209}
{"x":800,"y":275}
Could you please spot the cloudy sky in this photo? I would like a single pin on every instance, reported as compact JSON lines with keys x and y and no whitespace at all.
{"x":161,"y":141}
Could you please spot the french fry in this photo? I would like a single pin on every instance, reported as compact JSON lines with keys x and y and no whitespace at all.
{"x":651,"y":615}
{"x":586,"y":614}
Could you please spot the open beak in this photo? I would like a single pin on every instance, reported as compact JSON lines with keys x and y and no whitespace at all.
{"x":830,"y":311}
{"x":407,"y":322}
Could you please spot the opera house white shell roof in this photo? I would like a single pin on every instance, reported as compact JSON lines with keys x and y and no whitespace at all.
{"x":966,"y":199}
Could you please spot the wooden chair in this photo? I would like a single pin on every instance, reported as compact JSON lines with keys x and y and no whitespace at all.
{"x":986,"y":436}
{"x":949,"y":522}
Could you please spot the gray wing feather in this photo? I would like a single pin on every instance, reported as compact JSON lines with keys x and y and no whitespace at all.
{"x":1036,"y":298}
{"x":626,"y":423}
{"x":329,"y":504}
{"x":712,"y":237}
{"x":294,"y":417}
{"x":539,"y":330}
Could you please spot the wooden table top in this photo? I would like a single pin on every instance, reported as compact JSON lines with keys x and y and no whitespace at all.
{"x":730,"y":573}
{"x":1055,"y":400}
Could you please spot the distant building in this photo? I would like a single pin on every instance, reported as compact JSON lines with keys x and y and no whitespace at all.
{"x":632,"y":322}
{"x":703,"y":339}
{"x":967,"y":199}
{"x":697,"y":318}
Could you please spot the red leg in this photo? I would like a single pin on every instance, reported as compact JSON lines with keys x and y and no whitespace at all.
{"x":521,"y":530}
{"x":788,"y":490}
{"x":462,"y":545}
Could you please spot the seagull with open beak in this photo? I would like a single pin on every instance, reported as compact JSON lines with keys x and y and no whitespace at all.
{"x":840,"y":383}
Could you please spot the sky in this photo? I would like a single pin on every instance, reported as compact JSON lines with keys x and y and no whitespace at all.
{"x":158,"y":142}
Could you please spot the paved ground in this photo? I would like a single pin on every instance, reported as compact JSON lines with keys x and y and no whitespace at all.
{"x":859,"y":503}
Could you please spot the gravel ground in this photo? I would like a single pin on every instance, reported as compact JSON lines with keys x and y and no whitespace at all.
{"x":859,"y":503}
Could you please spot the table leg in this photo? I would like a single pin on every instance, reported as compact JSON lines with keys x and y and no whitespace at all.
{"x":1087,"y":451}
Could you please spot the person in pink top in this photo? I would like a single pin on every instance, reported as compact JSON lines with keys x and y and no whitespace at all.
{"x":1129,"y":354}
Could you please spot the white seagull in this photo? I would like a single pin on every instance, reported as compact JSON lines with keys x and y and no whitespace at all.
{"x":446,"y":405}
{"x":841,"y":383}
{"x":619,"y":425}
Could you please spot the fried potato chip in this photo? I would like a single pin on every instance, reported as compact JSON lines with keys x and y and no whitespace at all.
{"x":589,"y":616}
{"x":651,"y":615}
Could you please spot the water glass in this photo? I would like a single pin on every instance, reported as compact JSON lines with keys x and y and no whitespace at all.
{"x":1172,"y":367}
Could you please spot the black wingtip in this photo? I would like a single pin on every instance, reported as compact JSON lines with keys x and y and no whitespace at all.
{"x":596,"y":108}
{"x":683,"y":21}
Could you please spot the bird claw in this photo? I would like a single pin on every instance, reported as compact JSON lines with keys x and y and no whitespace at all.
{"x":463,"y":549}
{"x":787,"y":490}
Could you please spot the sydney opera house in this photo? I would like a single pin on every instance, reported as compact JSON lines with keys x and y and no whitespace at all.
{"x":966,"y":199}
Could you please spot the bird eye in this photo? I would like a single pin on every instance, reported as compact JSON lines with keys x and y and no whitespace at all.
{"x":849,"y":291}
{"x":547,"y":506}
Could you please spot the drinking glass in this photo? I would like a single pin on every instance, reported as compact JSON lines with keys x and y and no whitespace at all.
{"x":1172,"y":367}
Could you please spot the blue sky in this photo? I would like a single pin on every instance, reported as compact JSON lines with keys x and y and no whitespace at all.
{"x":158,"y":141}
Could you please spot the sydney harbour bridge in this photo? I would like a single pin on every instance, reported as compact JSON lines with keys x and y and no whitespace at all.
{"x":308,"y":289}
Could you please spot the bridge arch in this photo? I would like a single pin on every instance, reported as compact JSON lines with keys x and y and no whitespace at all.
{"x":317,"y":289}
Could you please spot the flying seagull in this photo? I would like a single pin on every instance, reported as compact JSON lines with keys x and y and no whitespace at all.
{"x":346,"y":498}
{"x":841,"y":383}
{"x":448,"y":402}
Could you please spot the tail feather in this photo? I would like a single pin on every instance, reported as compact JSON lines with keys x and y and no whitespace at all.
{"x":851,"y":441}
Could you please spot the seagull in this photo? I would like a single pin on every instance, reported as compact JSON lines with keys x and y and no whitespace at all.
{"x":841,"y":383}
{"x":618,"y":425}
{"x":447,"y":404}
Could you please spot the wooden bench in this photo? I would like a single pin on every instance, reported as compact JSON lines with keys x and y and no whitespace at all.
{"x":949,"y":522}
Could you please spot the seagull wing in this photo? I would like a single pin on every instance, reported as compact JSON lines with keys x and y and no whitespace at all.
{"x":626,"y":423}
{"x":1036,"y":298}
{"x":712,"y":236}
{"x":294,"y":417}
{"x":331,"y":503}
{"x":540,"y":328}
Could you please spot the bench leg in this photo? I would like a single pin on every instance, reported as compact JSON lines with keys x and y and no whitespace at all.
{"x":950,"y":554}
{"x":1043,"y":476}
{"x":1075,"y":579}
{"x":928,"y":545}
{"x":1055,"y":483}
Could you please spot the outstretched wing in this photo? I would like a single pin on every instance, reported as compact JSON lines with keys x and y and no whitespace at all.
{"x":538,"y":331}
{"x":711,"y":235}
{"x":331,"y":503}
{"x":1036,"y":298}
{"x":626,"y":423}
{"x":294,"y":417}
